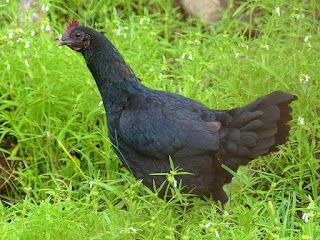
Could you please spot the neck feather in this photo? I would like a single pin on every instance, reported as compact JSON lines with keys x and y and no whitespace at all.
{"x":115,"y":79}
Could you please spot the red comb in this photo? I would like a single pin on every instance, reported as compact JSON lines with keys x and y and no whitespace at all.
{"x":72,"y":24}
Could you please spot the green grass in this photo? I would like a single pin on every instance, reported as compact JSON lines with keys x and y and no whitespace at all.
{"x":67,"y":183}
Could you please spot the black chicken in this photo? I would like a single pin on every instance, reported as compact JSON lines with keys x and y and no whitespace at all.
{"x":147,"y":126}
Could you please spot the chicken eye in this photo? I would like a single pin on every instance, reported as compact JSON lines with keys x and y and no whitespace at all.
{"x":78,"y":34}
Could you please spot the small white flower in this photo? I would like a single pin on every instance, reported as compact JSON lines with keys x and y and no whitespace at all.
{"x":307,"y":78}
{"x":217,"y":234}
{"x":8,"y":66}
{"x":27,"y":44}
{"x":208,"y":224}
{"x":118,"y":32}
{"x":237,"y":54}
{"x":124,"y":35}
{"x":180,"y":90}
{"x":247,"y":47}
{"x":175,"y":183}
{"x":91,"y":183}
{"x":301,"y":120}
{"x":42,"y":27}
{"x":267,"y":47}
{"x":190,"y":56}
{"x":183,"y":55}
{"x":160,"y":76}
{"x":24,"y":52}
{"x":20,"y":30}
{"x":278,"y":11}
{"x":148,"y":19}
{"x":192,"y":79}
{"x":309,"y":45}
{"x":28,"y":189}
{"x":45,"y":8}
{"x":133,"y":229}
{"x":5,"y":36}
{"x":126,"y":28}
{"x":305,"y":217}
{"x":141,"y":21}
{"x":100,"y":103}
{"x":151,"y":69}
{"x":48,"y":28}
{"x":304,"y":80}
{"x":300,"y":16}
{"x":121,"y":231}
{"x":10,"y":34}
{"x":306,"y":38}
{"x":7,"y":1}
{"x":19,"y":39}
{"x":32,"y":34}
{"x":26,"y":62}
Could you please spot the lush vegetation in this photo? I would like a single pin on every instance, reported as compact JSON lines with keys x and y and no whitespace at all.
{"x":64,"y":180}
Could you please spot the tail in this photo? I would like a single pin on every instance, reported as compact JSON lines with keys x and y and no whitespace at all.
{"x":256,"y":129}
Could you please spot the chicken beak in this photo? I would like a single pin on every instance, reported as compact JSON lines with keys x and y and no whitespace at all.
{"x":61,"y":43}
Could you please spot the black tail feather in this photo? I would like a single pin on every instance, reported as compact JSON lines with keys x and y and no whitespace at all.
{"x":257,"y":129}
